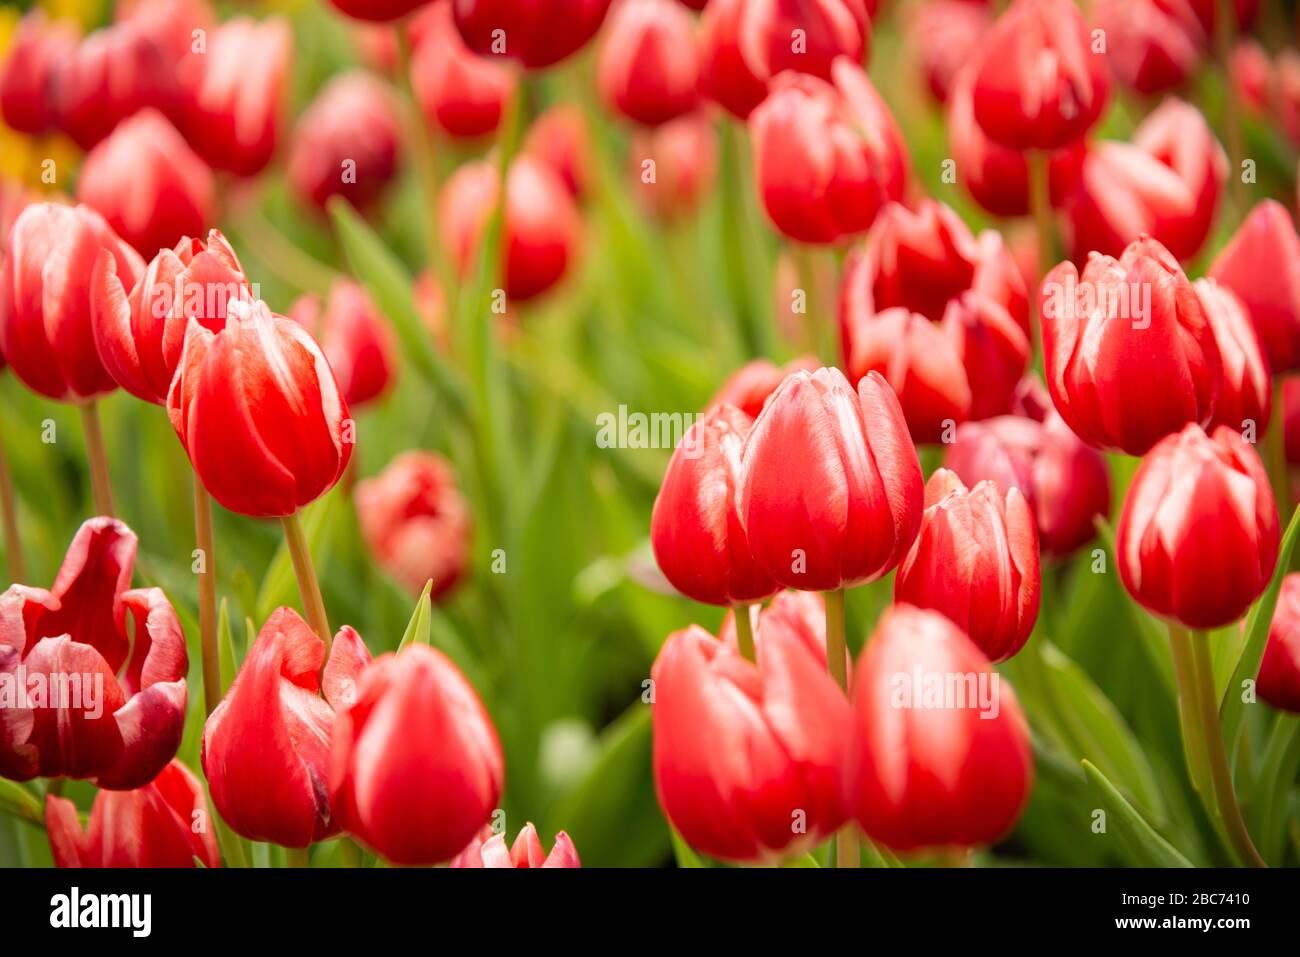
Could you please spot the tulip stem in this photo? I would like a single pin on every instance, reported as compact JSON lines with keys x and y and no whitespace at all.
{"x":308,"y":585}
{"x":203,"y":541}
{"x":9,"y":517}
{"x":744,"y":631}
{"x":297,"y":857}
{"x":836,"y":652}
{"x":101,"y":487}
{"x":813,"y":322}
{"x":1040,"y":205}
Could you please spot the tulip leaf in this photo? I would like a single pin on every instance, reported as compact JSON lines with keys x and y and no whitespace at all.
{"x":1145,"y":847}
{"x":418,"y":629}
{"x":685,"y":854}
{"x":20,"y":802}
{"x":1231,"y":708}
{"x":226,"y":647}
{"x":802,"y":861}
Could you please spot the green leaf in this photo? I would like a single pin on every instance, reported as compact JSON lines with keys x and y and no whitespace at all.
{"x":804,"y":860}
{"x":20,"y":802}
{"x":417,"y":630}
{"x":1145,"y":847}
{"x":226,"y":647}
{"x":685,"y":854}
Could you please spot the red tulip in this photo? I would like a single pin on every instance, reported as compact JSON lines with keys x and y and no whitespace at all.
{"x":696,"y":530}
{"x":801,"y":613}
{"x":1153,"y":45}
{"x":726,"y":77}
{"x":416,"y":768}
{"x":355,"y":337}
{"x":266,"y":746}
{"x":1198,"y":537}
{"x":939,"y":754}
{"x":94,"y":700}
{"x":233,"y":93}
{"x":1247,"y":396}
{"x":1261,"y":264}
{"x":164,"y":823}
{"x":416,"y":523}
{"x":171,"y":24}
{"x":1065,"y":481}
{"x":1251,"y":74}
{"x":259,"y":412}
{"x":826,"y":158}
{"x":146,"y":181}
{"x":538,"y":33}
{"x":559,"y":138}
{"x":1038,"y":84}
{"x":992,"y":348}
{"x":541,"y":232}
{"x":45,"y":302}
{"x":830,"y":487}
{"x":461,"y":93}
{"x":38,"y":50}
{"x":749,"y":387}
{"x":377,"y":11}
{"x":945,"y":34}
{"x":1115,"y":329}
{"x":1279,"y":670}
{"x":806,"y":36}
{"x":648,"y":66}
{"x":346,"y":143}
{"x":489,"y":850}
{"x":784,"y":715}
{"x":684,"y":152}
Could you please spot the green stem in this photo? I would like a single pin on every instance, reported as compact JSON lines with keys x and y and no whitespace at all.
{"x":744,"y":631}
{"x":9,"y":519}
{"x":814,"y":323}
{"x":203,"y":540}
{"x":298,"y":857}
{"x":308,"y":585}
{"x":349,"y":853}
{"x":101,"y":487}
{"x":836,"y":652}
{"x":1188,"y":711}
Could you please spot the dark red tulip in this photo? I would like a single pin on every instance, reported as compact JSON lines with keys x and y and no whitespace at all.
{"x":1261,"y":264}
{"x":749,"y":386}
{"x":164,"y":823}
{"x":150,"y":186}
{"x":416,"y":522}
{"x":420,"y":795}
{"x":785,"y":714}
{"x":346,"y":142}
{"x":559,"y":138}
{"x":1198,"y":537}
{"x":489,"y":849}
{"x":98,"y":699}
{"x":939,"y":753}
{"x":1152,"y":45}
{"x":46,"y":330}
{"x":259,"y":412}
{"x":461,"y":93}
{"x":945,"y":34}
{"x":696,"y":528}
{"x":1111,"y":331}
{"x":684,"y":152}
{"x":537,"y":33}
{"x":266,"y":746}
{"x":826,"y":158}
{"x":649,"y":62}
{"x":830,"y":490}
{"x":355,"y":337}
{"x":377,"y":11}
{"x":1246,"y":400}
{"x":35,"y":55}
{"x":1279,"y":670}
{"x":1038,"y":84}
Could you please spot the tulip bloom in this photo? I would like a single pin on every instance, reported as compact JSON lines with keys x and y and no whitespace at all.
{"x":377,"y":11}
{"x":1261,"y":264}
{"x":34,"y":57}
{"x":826,"y":158}
{"x":1198,"y":537}
{"x":346,"y":142}
{"x":1038,"y":84}
{"x":696,"y":530}
{"x":45,"y":299}
{"x":559,"y":138}
{"x":945,"y":34}
{"x":259,"y":412}
{"x":541,"y":231}
{"x":355,"y":338}
{"x":538,"y":33}
{"x":726,"y":76}
{"x":150,"y":186}
{"x":416,"y":523}
{"x":807,"y":36}
{"x":684,"y":154}
{"x":749,"y":387}
{"x":1247,"y":396}
{"x":785,"y":714}
{"x":489,"y":849}
{"x":416,"y":768}
{"x":1115,"y":329}
{"x":939,"y":754}
{"x":266,"y":745}
{"x":1279,"y":670}
{"x":126,"y":711}
{"x":830,"y":487}
{"x":648,"y":67}
{"x":164,"y":823}
{"x":463,"y":94}
{"x":1065,"y":481}
{"x":1154,"y":45}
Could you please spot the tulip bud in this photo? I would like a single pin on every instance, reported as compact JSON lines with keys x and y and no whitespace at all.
{"x":416,"y":523}
{"x":419,"y":796}
{"x":346,"y":142}
{"x":146,"y":181}
{"x":164,"y":823}
{"x":992,"y":348}
{"x":126,"y":711}
{"x":461,"y":93}
{"x":1115,"y":329}
{"x":538,"y":33}
{"x":826,"y":158}
{"x":35,"y":56}
{"x":171,"y":24}
{"x":648,"y":66}
{"x":725,"y":75}
{"x":945,"y":34}
{"x":806,"y":36}
{"x":355,"y":338}
{"x":784,"y":713}
{"x":488,"y":849}
{"x":830,"y":486}
{"x":1154,"y":45}
{"x":1198,"y":537}
{"x":1246,"y":400}
{"x":258,"y":411}
{"x":45,"y":299}
{"x":749,"y":387}
{"x":377,"y":11}
{"x":1038,"y":83}
{"x":684,"y":152}
{"x":699,"y":541}
{"x":1261,"y":264}
{"x":266,"y":745}
{"x":559,"y":138}
{"x":1279,"y":670}
{"x":939,"y":752}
